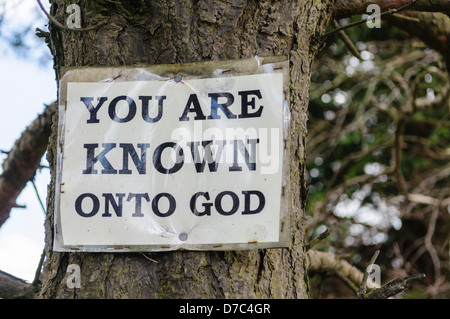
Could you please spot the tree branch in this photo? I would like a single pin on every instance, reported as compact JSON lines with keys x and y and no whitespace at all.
{"x":393,"y":287}
{"x":433,"y":27}
{"x":390,"y":11}
{"x":347,"y":41}
{"x":321,"y":236}
{"x":14,"y":288}
{"x":345,"y":8}
{"x":363,"y":287}
{"x":432,"y":250}
{"x":24,"y":159}
{"x":332,"y":265}
{"x":63,"y":27}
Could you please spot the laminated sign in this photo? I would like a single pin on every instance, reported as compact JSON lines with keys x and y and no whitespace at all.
{"x":183,"y":156}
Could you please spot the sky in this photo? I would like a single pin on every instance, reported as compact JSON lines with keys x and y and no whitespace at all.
{"x":27,"y":82}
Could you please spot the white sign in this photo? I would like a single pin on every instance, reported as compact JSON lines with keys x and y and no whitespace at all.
{"x":177,"y":163}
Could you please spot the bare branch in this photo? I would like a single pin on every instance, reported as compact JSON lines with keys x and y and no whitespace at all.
{"x":432,"y":250}
{"x":390,"y":11}
{"x":14,"y":288}
{"x":393,"y":287}
{"x":322,"y":235}
{"x":363,"y":287}
{"x":332,"y":265}
{"x":347,"y":41}
{"x":433,"y":27}
{"x":345,"y":8}
{"x":24,"y":159}
{"x":63,"y":27}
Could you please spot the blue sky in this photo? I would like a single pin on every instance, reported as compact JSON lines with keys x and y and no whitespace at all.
{"x":26,"y":84}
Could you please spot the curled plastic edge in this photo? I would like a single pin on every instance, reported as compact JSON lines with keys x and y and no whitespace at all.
{"x":198,"y":70}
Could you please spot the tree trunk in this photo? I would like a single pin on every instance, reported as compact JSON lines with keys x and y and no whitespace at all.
{"x":161,"y":32}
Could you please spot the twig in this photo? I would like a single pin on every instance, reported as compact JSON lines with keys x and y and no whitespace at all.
{"x":363,"y":288}
{"x":149,"y":258}
{"x":347,"y":41}
{"x":19,"y":206}
{"x":398,"y":157}
{"x":321,"y":236}
{"x":393,"y":287}
{"x":41,"y":260}
{"x":38,"y":269}
{"x":423,"y":199}
{"x":350,"y":25}
{"x":38,"y":197}
{"x":41,"y":33}
{"x":63,"y":27}
{"x":430,"y":248}
{"x":406,"y":18}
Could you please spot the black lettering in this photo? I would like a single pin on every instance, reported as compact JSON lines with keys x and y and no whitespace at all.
{"x":247,"y":196}
{"x":193,"y":99}
{"x":93,"y":110}
{"x":91,"y":159}
{"x":131,"y":109}
{"x":245,"y":103}
{"x":95,"y":205}
{"x":215,"y":105}
{"x":250,"y":157}
{"x":145,"y":108}
{"x":140,"y":163}
{"x":213,"y":163}
{"x":138,"y":206}
{"x":218,"y":203}
{"x":179,"y":158}
{"x":206,"y":206}
{"x":109,"y":199}
{"x":155,"y":206}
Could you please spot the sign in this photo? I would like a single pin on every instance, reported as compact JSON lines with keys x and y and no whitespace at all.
{"x":171,"y":160}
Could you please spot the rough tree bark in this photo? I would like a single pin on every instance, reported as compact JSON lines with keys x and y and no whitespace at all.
{"x":169,"y":31}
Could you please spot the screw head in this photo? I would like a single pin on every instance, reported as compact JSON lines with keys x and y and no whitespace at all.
{"x":177,"y":78}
